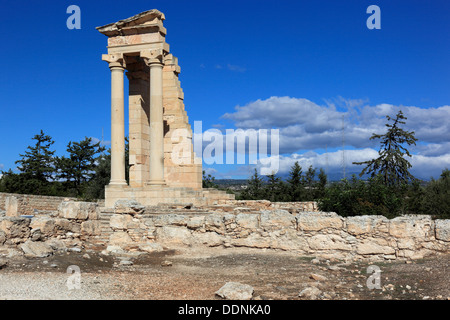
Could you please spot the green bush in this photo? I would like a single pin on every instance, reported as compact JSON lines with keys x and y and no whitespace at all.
{"x":357,"y":197}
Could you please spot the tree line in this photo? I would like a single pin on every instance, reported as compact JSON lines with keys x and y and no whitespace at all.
{"x":83,"y":172}
{"x":389,"y":188}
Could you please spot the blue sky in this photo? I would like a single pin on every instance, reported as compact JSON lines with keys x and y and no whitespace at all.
{"x":293,"y":65}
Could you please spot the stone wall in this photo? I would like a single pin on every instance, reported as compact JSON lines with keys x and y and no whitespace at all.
{"x":308,"y":233}
{"x":72,"y":223}
{"x":28,"y":204}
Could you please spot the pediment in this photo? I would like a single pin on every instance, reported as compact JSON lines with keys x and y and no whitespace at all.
{"x":147,"y":21}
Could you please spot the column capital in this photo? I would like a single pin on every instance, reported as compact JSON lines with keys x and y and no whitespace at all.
{"x":115,"y":60}
{"x":152,"y":57}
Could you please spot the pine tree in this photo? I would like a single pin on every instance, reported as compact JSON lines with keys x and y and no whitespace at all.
{"x":273,"y":188}
{"x":208,"y":181}
{"x":38,"y":162}
{"x":255,"y":188}
{"x":309,"y":183}
{"x":321,"y":184}
{"x":295,"y":183}
{"x":79,"y":166}
{"x":391,"y":163}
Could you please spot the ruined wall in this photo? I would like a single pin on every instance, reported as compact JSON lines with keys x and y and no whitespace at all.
{"x":72,"y":223}
{"x":27,"y":204}
{"x":308,"y":233}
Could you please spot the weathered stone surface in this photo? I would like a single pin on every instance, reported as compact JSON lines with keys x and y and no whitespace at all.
{"x":45,"y":224}
{"x":317,"y":277}
{"x":120,"y":238}
{"x":173,"y":235}
{"x":328,"y":242}
{"x":120,"y":221}
{"x":170,"y":219}
{"x":196,"y":222}
{"x":276,"y":219}
{"x":364,"y":224}
{"x":73,"y":210}
{"x":316,"y":221}
{"x":36,"y":234}
{"x":211,"y":239}
{"x":374,"y":246}
{"x":126,"y":206}
{"x":57,"y":245}
{"x":235,"y":291}
{"x":311,"y":293}
{"x":36,"y":249}
{"x":12,"y":207}
{"x":254,"y":240}
{"x":151,"y":247}
{"x":442,"y":230}
{"x":412,"y":226}
{"x":2,"y":237}
{"x":215,"y":222}
{"x":247,"y":220}
{"x":90,"y":228}
{"x":65,"y":225}
{"x":15,"y":227}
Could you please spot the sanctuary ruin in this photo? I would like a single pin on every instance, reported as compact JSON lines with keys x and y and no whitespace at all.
{"x":163,"y":166}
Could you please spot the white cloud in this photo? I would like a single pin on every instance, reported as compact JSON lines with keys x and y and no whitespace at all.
{"x":305,"y":125}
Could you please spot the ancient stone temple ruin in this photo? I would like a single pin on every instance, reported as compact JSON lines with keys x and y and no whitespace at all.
{"x":158,"y":123}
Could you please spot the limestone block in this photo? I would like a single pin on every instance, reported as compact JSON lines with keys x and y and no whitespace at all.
{"x":151,"y":247}
{"x":36,"y":249}
{"x":90,"y":228}
{"x":373,"y":246}
{"x":215,"y":222}
{"x":15,"y":227}
{"x":328,"y":242}
{"x":45,"y":224}
{"x":120,"y":221}
{"x":235,"y":291}
{"x":126,"y":206}
{"x":315,"y":221}
{"x":211,"y":239}
{"x":289,"y":239}
{"x":77,"y":210}
{"x":170,"y":219}
{"x":120,"y":238}
{"x":247,"y":221}
{"x":196,"y":222}
{"x":173,"y":235}
{"x":412,"y":226}
{"x":66,"y":225}
{"x":277,"y":219}
{"x":12,"y":207}
{"x":364,"y":224}
{"x":406,"y":243}
{"x":442,"y":228}
{"x":254,"y":240}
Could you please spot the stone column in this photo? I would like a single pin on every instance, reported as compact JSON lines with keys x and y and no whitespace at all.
{"x":117,"y":66}
{"x":154,"y":59}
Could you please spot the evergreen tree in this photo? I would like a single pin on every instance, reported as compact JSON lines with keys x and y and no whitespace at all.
{"x":38,"y":162}
{"x":36,"y":168}
{"x":274,"y":188}
{"x":321,"y":184}
{"x":295,"y":183}
{"x":208,"y":181}
{"x":102,"y":175}
{"x":255,"y":188}
{"x":309,"y":183}
{"x":437,"y":196}
{"x":79,"y":167}
{"x":391,"y":163}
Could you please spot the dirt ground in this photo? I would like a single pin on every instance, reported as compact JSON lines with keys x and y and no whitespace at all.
{"x":198,"y":274}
